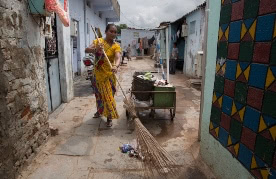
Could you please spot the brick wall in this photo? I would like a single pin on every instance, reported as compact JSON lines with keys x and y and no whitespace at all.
{"x":23,"y":106}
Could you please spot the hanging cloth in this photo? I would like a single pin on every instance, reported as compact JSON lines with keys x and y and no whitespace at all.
{"x":55,"y":6}
{"x":145,"y":43}
{"x":178,"y":33}
{"x":141,"y":44}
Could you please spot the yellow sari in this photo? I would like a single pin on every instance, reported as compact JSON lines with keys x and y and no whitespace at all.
{"x":105,"y":80}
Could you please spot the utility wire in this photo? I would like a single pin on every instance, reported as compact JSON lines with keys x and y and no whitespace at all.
{"x":132,"y":22}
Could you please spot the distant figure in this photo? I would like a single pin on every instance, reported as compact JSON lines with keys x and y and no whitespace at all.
{"x":173,"y":59}
{"x":128,"y":52}
{"x":124,"y":53}
{"x":138,"y":49}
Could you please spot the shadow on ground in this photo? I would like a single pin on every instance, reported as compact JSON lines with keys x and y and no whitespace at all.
{"x":82,"y":87}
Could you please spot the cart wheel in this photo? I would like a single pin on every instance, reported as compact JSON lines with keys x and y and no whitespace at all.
{"x":127,"y":115}
{"x":172,"y":114}
{"x":151,"y":114}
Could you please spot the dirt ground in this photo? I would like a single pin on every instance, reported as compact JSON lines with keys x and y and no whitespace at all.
{"x":86,"y":149}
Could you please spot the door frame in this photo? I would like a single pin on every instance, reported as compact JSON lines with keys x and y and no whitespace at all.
{"x":51,"y":52}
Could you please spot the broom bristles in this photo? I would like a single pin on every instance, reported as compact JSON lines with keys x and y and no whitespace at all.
{"x":156,"y":160}
{"x":130,"y":107}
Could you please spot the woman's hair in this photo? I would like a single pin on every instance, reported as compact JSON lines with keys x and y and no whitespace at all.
{"x":109,"y":26}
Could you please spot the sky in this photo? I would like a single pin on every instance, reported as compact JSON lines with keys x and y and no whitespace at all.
{"x":149,"y":13}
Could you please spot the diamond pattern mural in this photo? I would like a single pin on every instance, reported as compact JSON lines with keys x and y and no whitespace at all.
{"x":243,"y":115}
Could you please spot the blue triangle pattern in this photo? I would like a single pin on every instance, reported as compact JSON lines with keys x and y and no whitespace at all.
{"x":272,"y":173}
{"x":260,"y":163}
{"x":215,"y":125}
{"x":239,"y":106}
{"x":218,"y":94}
{"x":244,"y":65}
{"x":269,"y":121}
{"x":224,"y":27}
{"x":273,"y":69}
{"x":234,"y":141}
{"x":248,"y":23}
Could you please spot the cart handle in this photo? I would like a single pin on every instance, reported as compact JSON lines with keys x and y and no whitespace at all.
{"x":153,"y":91}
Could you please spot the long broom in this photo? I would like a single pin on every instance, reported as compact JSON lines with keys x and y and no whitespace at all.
{"x":156,"y":160}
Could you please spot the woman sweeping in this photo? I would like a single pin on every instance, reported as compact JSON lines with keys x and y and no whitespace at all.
{"x":105,"y":82}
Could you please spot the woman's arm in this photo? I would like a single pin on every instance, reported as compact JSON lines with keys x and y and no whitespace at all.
{"x":94,"y":48}
{"x":117,"y":60}
{"x":91,"y":49}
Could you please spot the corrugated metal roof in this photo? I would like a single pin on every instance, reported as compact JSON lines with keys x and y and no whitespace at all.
{"x":198,"y":7}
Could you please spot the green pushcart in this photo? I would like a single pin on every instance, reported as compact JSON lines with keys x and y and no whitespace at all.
{"x":163,"y":98}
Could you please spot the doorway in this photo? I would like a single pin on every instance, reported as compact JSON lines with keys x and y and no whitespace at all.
{"x":52,"y":69}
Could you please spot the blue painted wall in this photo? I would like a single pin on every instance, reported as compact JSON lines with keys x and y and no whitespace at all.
{"x":180,"y":42}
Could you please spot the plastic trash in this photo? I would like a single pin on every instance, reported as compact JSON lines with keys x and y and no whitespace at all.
{"x":126,"y":148}
{"x":141,"y":103}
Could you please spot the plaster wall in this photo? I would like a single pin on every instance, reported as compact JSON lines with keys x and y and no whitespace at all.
{"x":23,"y":102}
{"x":223,"y":164}
{"x":130,"y":35}
{"x":65,"y":62}
{"x":193,"y":41}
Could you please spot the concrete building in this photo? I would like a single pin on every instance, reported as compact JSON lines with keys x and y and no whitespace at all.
{"x":132,"y":36}
{"x":83,"y":14}
{"x":188,"y":33}
{"x":178,"y":37}
{"x":36,"y":73}
{"x":194,"y":42}
{"x":238,"y":118}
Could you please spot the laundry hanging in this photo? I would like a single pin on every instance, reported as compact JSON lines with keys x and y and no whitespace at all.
{"x":145,"y":43}
{"x":55,"y":6}
{"x":178,"y":33}
{"x":141,"y":44}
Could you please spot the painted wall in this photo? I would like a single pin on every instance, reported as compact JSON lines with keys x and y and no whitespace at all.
{"x":163,"y":43}
{"x":65,"y":62}
{"x":77,"y":13}
{"x":193,"y":41}
{"x":238,"y":124}
{"x":130,"y":36}
{"x":180,"y":41}
{"x":86,"y":35}
{"x":92,"y":17}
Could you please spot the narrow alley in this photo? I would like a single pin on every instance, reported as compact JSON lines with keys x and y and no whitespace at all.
{"x":86,"y":148}
{"x":204,"y":103}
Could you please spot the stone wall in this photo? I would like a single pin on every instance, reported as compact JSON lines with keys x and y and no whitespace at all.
{"x":23,"y":106}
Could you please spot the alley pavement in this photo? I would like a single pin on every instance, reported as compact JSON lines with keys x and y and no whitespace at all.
{"x":86,"y":149}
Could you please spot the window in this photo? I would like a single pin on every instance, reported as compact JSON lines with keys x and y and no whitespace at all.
{"x":136,"y":34}
{"x":88,"y":4}
{"x":192,"y":27}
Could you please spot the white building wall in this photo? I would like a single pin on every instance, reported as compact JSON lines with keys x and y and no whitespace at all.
{"x":163,"y":44}
{"x":65,"y":62}
{"x":193,"y":41}
{"x":77,"y":13}
{"x":92,"y":18}
{"x":86,"y":35}
{"x":130,"y":35}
